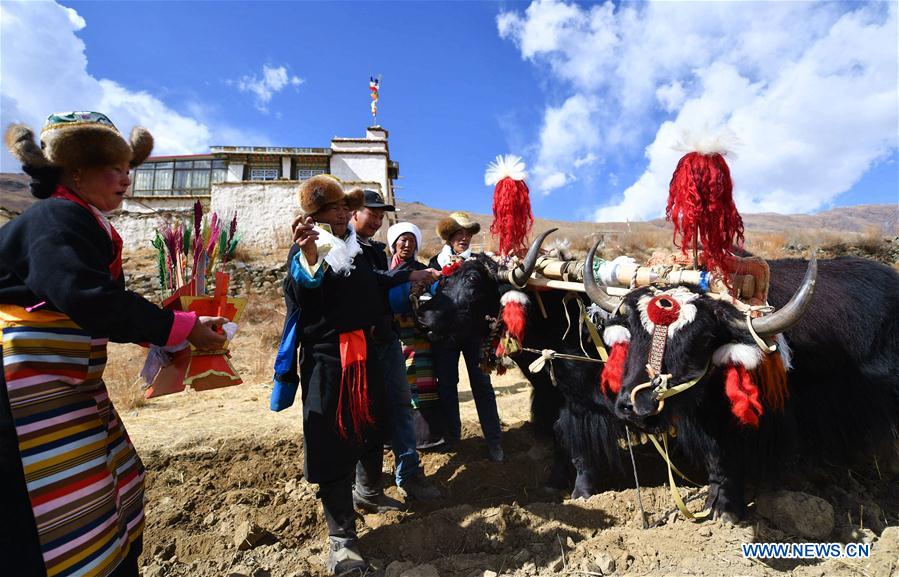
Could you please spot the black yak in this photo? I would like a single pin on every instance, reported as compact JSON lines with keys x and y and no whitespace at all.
{"x":570,"y":409}
{"x":831,"y":390}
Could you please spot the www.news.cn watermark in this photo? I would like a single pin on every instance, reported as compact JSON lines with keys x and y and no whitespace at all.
{"x":806,"y":550}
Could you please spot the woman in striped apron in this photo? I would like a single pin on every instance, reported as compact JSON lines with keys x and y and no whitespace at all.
{"x":71,"y":484}
{"x":404,"y":238}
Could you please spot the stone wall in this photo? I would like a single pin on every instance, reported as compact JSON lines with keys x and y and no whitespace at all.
{"x":246,"y":279}
{"x":138,"y":229}
{"x":265,"y":210}
{"x":264,"y":214}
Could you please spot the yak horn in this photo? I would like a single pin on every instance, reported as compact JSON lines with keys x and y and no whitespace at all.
{"x":519,"y":275}
{"x":607,"y":302}
{"x":788,"y":315}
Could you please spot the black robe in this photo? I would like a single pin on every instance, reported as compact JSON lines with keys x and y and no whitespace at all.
{"x":376,"y":253}
{"x":339,"y":304}
{"x":56,"y":252}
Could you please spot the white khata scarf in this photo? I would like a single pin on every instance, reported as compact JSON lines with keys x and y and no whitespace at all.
{"x":339,"y":253}
{"x":447,"y":256}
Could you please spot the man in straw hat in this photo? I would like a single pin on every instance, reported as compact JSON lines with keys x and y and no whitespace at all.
{"x":72,"y":483}
{"x":457,"y":230}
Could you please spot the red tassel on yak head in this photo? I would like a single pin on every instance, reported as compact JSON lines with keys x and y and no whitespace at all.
{"x":512,"y":217}
{"x":701,"y":204}
{"x":514,"y":313}
{"x":741,"y":363}
{"x":743,"y":394}
{"x":617,"y":337}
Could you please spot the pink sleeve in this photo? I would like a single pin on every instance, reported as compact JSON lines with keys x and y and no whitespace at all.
{"x":184,"y":323}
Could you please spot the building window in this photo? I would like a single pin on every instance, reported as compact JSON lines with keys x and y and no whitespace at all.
{"x":307,"y":173}
{"x":263,"y":174}
{"x":182,"y":182}
{"x":162,"y":182}
{"x":305,"y":167}
{"x":219,"y":171}
{"x":143,"y":181}
{"x":178,"y":177}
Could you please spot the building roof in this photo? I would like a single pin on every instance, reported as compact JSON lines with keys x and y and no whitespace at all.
{"x":276,"y":150}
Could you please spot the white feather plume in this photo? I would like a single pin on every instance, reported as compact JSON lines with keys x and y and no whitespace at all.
{"x":707,"y":141}
{"x":504,"y":166}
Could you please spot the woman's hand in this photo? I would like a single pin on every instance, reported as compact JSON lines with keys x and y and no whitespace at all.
{"x":427,"y":275}
{"x":203,"y":335}
{"x":305,"y":236}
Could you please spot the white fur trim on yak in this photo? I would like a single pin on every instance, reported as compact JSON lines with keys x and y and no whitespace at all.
{"x":616,"y":334}
{"x":707,"y":142}
{"x":738,"y":354}
{"x":514,"y":296}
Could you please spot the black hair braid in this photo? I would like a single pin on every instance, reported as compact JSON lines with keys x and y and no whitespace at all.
{"x":44,"y":179}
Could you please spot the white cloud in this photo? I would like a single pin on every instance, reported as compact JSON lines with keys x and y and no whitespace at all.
{"x":75,"y":18}
{"x":272,"y":81}
{"x":44,"y":70}
{"x":585,"y":160}
{"x":810,"y":89}
{"x":568,"y":135}
{"x":671,"y":96}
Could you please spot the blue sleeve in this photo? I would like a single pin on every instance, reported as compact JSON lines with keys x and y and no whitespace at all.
{"x":286,"y":378}
{"x":301,"y":277}
{"x":398,"y":297}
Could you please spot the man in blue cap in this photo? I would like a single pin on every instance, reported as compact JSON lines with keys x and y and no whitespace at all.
{"x":410,"y":479}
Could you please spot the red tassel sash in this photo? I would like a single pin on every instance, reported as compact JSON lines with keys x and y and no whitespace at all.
{"x":353,"y":397}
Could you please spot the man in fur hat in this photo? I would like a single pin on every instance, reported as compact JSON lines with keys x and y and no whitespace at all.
{"x":457,"y":230}
{"x":409,"y":477}
{"x":335,"y":306}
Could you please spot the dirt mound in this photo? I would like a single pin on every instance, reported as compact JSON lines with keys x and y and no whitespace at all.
{"x":245,"y":510}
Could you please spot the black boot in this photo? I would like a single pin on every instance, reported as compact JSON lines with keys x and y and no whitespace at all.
{"x":368,"y":491}
{"x":337,"y":501}
{"x":344,"y":558}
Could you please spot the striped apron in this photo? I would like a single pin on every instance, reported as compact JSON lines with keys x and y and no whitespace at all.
{"x":83,"y":476}
{"x":419,"y":363}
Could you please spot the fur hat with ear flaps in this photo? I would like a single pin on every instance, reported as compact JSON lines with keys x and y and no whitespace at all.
{"x":455,"y":222}
{"x":74,"y":140}
{"x":78,"y":139}
{"x":324,"y":189}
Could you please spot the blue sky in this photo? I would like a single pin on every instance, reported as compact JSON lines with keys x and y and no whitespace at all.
{"x":592,"y":96}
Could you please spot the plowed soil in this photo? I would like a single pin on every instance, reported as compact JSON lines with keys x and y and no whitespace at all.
{"x":219,"y":463}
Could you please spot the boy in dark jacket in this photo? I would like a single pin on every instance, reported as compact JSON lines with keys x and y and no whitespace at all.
{"x":409,"y":477}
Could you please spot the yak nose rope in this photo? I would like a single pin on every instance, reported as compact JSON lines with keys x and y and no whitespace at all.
{"x":630,"y":448}
{"x":661,"y":389}
{"x":675,"y":493}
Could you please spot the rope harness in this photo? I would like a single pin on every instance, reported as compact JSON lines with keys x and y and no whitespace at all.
{"x":548,"y":355}
{"x":661,"y":387}
{"x":675,"y":493}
